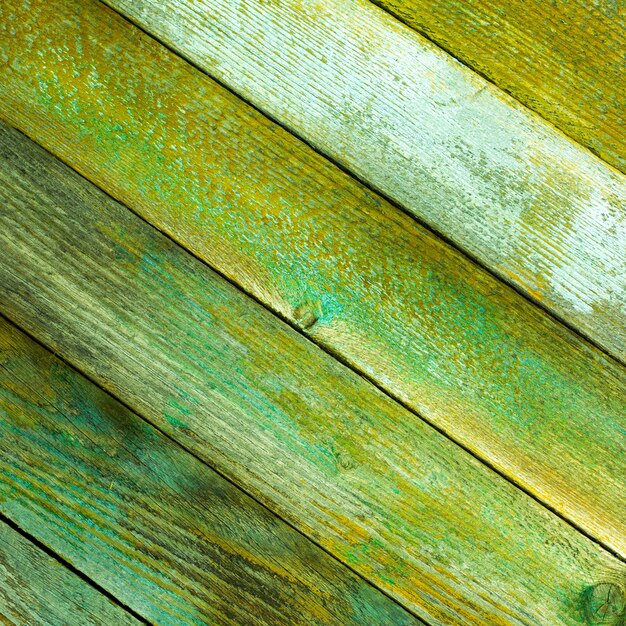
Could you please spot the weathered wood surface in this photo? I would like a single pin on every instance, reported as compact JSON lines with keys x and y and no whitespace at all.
{"x":352,"y":469}
{"x":36,"y":590}
{"x":149,"y":522}
{"x":541,"y":211}
{"x":564,"y":59}
{"x":357,"y":275}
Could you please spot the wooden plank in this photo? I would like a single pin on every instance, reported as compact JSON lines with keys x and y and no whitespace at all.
{"x":37,"y":590}
{"x":148,"y":521}
{"x":435,"y":331}
{"x":539,"y":210}
{"x":564,"y":60}
{"x":353,"y":470}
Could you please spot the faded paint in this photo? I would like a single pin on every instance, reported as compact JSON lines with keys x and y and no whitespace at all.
{"x":455,"y":151}
{"x":168,"y":536}
{"x":408,"y":512}
{"x":456,"y":345}
{"x":563,"y":59}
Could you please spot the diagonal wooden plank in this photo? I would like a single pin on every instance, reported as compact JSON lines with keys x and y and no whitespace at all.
{"x":564,"y":60}
{"x":37,"y":590}
{"x":539,"y":210}
{"x":356,"y":275}
{"x":353,"y":470}
{"x":149,"y":522}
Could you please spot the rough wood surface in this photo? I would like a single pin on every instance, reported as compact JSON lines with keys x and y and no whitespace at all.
{"x":36,"y":590}
{"x":538,"y":209}
{"x":326,"y":450}
{"x":564,"y":59}
{"x":146,"y":520}
{"x":355,"y":274}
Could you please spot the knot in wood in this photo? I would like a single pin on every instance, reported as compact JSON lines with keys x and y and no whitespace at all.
{"x":308,"y":313}
{"x":344,"y":460}
{"x":604,"y":603}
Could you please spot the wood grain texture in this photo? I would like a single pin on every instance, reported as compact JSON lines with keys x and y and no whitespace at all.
{"x":149,"y":522}
{"x":36,"y":590}
{"x":564,"y":59}
{"x":538,"y":209}
{"x":355,"y":274}
{"x":367,"y":479}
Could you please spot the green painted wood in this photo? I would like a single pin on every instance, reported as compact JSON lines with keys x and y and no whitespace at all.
{"x":146,"y":520}
{"x":353,"y":470}
{"x":353,"y":273}
{"x":539,"y":210}
{"x":37,"y":590}
{"x":563,"y":59}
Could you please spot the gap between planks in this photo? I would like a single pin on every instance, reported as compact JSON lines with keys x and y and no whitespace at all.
{"x":563,"y":285}
{"x":188,"y":451}
{"x":56,"y":556}
{"x":185,"y":261}
{"x":332,"y":353}
{"x":377,"y":190}
{"x":476,"y":70}
{"x":530,"y":309}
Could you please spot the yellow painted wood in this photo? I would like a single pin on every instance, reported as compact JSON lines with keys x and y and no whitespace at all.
{"x":36,"y":590}
{"x":367,"y":479}
{"x":352,"y":272}
{"x":538,"y":209}
{"x":564,"y":59}
{"x":147,"y":521}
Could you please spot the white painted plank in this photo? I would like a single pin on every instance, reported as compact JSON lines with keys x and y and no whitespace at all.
{"x":538,"y":209}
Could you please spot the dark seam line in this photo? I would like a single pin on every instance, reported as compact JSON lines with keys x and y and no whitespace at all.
{"x":183,"y":447}
{"x":330,"y":351}
{"x":335,"y":355}
{"x":431,"y":229}
{"x":425,"y":35}
{"x":59,"y":559}
{"x":339,"y":357}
